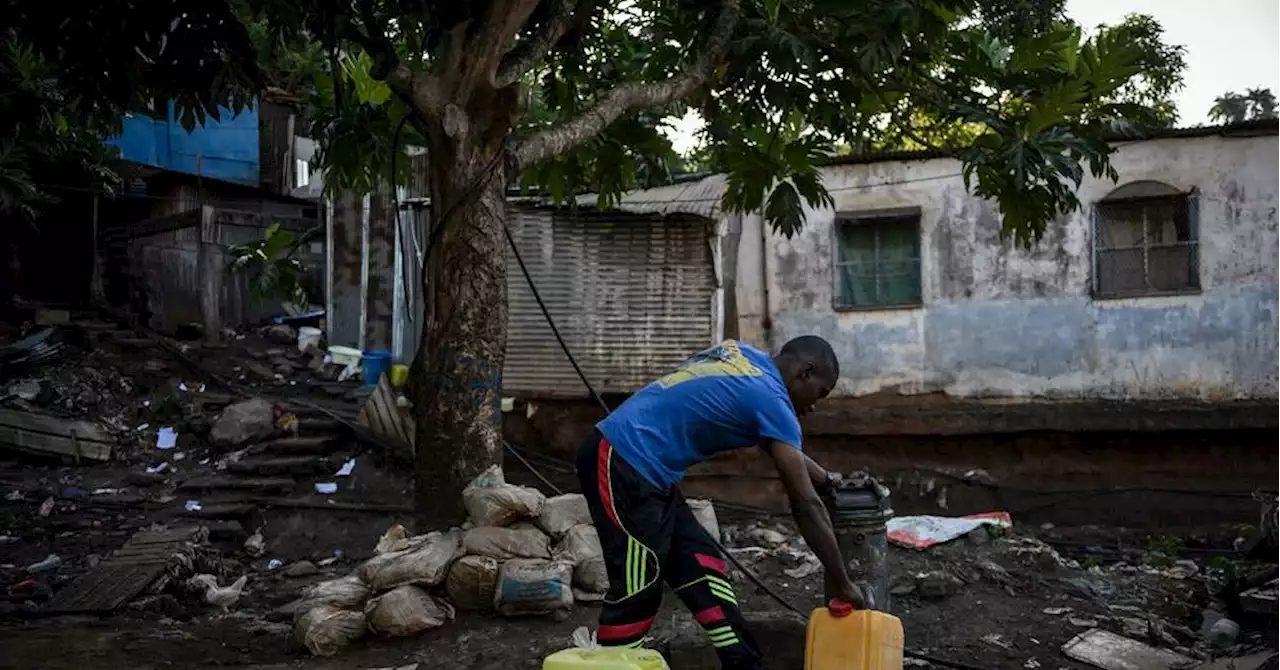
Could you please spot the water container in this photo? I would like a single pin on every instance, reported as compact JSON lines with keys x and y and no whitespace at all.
{"x":605,"y":658}
{"x":840,"y":638}
{"x":376,"y":364}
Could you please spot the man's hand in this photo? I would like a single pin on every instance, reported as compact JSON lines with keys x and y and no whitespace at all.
{"x":850,"y":593}
{"x":823,"y":480}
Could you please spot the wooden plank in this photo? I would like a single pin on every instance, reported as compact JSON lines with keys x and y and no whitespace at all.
{"x":237,"y":484}
{"x":387,"y":422}
{"x":54,"y":435}
{"x":123,"y":576}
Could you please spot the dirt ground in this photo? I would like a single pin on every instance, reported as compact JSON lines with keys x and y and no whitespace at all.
{"x":1007,"y":600}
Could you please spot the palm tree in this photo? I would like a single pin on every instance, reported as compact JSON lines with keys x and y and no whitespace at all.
{"x":1262,"y":103}
{"x":1229,"y":108}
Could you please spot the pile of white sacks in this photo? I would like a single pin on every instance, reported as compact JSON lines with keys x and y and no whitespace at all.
{"x":520,"y":553}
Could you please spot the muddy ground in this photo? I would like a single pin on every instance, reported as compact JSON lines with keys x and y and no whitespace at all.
{"x":1007,"y":600}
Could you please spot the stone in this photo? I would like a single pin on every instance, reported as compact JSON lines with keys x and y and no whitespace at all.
{"x":301,"y":569}
{"x":937,"y":584}
{"x":244,"y":423}
{"x":1223,"y":632}
{"x":282,"y":334}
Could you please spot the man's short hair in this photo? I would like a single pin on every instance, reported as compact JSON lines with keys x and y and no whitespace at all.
{"x":816,"y":349}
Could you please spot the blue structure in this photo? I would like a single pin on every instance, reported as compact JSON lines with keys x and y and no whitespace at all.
{"x":226,"y":149}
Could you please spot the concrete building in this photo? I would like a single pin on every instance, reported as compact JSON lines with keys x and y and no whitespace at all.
{"x":1116,"y":350}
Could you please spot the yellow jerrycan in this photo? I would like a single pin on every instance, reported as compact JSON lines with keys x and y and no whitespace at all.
{"x":840,"y":638}
{"x":605,"y":658}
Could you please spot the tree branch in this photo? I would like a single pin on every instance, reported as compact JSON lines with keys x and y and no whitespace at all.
{"x":557,"y":140}
{"x":517,"y":63}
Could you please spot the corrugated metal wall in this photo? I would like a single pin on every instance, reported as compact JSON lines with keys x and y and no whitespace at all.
{"x":632,"y":296}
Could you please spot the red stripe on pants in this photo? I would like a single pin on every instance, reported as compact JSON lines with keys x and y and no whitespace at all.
{"x":624,"y":631}
{"x":710,"y":563}
{"x":709,"y":616}
{"x":602,"y":481}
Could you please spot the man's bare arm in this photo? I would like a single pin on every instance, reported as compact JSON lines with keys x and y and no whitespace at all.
{"x":811,"y":516}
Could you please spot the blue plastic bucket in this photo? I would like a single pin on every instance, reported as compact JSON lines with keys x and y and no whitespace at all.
{"x":376,"y":364}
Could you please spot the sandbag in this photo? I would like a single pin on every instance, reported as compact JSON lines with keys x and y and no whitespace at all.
{"x":425,"y":565}
{"x":348,"y":592}
{"x":404,"y":611}
{"x":705,"y":513}
{"x":563,"y":512}
{"x":471,"y":582}
{"x":506,"y":543}
{"x":395,"y":539}
{"x":490,"y":501}
{"x":324,"y":630}
{"x":533,"y":586}
{"x":581,"y":547}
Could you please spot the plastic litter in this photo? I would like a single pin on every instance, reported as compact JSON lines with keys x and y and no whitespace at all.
{"x":922,"y":532}
{"x":166,"y":438}
{"x":193,"y":506}
{"x":326,"y":488}
{"x":346,"y":469}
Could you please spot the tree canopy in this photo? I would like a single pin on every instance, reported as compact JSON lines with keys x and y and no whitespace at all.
{"x":1255,"y":104}
{"x":780,"y":84}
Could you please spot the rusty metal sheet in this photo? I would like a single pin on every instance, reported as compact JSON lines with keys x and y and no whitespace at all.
{"x":632,"y":297}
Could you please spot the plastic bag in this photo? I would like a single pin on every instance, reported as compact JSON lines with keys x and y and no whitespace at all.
{"x":404,"y":611}
{"x":705,"y":513}
{"x":506,"y":543}
{"x":347,"y":593}
{"x":490,"y":501}
{"x":425,"y":565}
{"x":471,"y":582}
{"x":532,"y":586}
{"x":563,"y":512}
{"x":324,"y":630}
{"x":581,"y":547}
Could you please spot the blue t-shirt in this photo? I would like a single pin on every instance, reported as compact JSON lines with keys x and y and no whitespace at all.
{"x":727,"y":397}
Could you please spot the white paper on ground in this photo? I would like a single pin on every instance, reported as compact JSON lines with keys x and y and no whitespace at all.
{"x":167,"y":438}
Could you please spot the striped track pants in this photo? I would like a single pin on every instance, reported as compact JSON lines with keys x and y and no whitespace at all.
{"x":650,"y":537}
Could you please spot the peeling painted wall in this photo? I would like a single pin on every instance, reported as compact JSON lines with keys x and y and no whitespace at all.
{"x":1001,"y":321}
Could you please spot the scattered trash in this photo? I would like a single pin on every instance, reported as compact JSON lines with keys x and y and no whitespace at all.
{"x":193,"y":506}
{"x":166,"y":438}
{"x":922,"y":532}
{"x":46,"y":507}
{"x":1057,"y":611}
{"x":997,"y":640}
{"x":1109,"y":651}
{"x":157,"y":469}
{"x":346,"y":469}
{"x":1031,"y":664}
{"x":326,"y":488}
{"x":256,"y":545}
{"x":275,"y":564}
{"x":584,"y":638}
{"x":50,"y":563}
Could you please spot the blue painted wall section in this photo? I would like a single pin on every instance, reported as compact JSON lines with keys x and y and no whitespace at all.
{"x":226,"y":149}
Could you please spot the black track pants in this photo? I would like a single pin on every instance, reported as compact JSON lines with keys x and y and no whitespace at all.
{"x":650,"y":536}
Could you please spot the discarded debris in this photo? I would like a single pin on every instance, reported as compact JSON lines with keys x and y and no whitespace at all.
{"x":50,"y":563}
{"x":166,"y":438}
{"x":1109,"y":651}
{"x":922,"y":532}
{"x":256,"y":545}
{"x":326,"y":488}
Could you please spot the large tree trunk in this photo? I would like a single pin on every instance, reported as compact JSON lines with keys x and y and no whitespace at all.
{"x":458,"y":370}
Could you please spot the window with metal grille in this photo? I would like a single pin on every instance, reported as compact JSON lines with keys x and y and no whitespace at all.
{"x":878,"y":259}
{"x":1146,"y":245}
